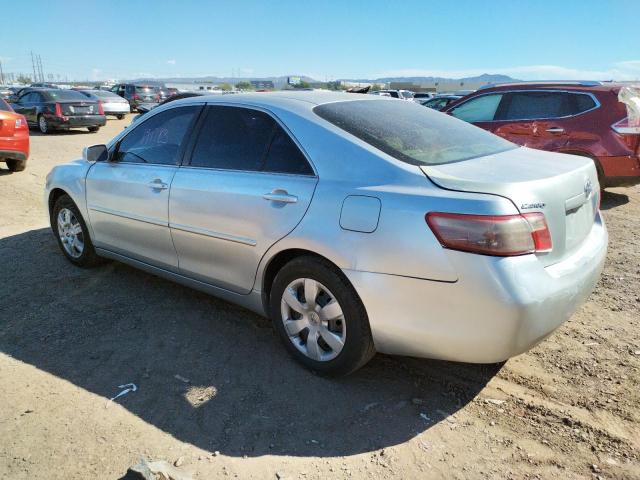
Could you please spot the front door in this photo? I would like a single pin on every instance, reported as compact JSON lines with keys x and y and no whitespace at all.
{"x":128,"y":196}
{"x":247,"y":186}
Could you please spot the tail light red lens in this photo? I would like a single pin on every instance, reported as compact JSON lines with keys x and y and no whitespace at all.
{"x":136,"y":97}
{"x":498,"y":235}
{"x":58,"y":110}
{"x":100,"y":108}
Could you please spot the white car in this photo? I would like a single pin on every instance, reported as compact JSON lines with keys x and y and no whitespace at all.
{"x":112,"y":104}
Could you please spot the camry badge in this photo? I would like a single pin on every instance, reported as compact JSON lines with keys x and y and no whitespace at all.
{"x":527,"y":206}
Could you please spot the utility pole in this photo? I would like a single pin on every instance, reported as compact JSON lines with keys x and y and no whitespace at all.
{"x":40,"y":69}
{"x":1,"y":74}
{"x":34,"y":67}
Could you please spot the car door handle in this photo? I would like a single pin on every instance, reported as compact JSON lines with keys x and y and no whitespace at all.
{"x":555,"y":130}
{"x":158,"y":184}
{"x":280,"y":196}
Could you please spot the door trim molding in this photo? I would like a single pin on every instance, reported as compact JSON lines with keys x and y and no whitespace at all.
{"x":130,"y":216}
{"x":211,"y":233}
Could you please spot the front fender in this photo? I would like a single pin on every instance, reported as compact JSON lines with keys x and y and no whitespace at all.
{"x":70,"y":178}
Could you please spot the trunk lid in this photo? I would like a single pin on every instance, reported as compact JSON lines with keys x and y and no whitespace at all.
{"x":563,"y":187}
{"x":71,"y":108}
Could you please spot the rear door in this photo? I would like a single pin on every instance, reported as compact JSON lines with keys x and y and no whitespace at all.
{"x":128,"y":196}
{"x":26,"y":106}
{"x":246,"y":186}
{"x":535,"y":119}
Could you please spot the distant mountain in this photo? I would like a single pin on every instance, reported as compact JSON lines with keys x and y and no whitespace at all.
{"x":484,"y":78}
{"x":280,"y":81}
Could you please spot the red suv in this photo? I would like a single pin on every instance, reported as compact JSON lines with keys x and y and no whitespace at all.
{"x":581,"y":118}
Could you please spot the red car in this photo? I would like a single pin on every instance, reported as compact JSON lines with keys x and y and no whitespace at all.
{"x":14,"y":138}
{"x":580,"y":118}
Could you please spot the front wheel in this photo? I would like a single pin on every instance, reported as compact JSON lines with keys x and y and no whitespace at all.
{"x":120,"y":117}
{"x":320,"y":317}
{"x":72,"y":233}
{"x":93,"y":129}
{"x":16,"y":165}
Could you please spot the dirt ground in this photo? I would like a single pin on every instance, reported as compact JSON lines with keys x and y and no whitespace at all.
{"x":217,"y":391}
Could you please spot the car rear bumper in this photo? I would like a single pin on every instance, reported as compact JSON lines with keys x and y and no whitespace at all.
{"x":13,"y":155}
{"x":116,"y":108}
{"x":77,"y":121}
{"x":498,"y":308}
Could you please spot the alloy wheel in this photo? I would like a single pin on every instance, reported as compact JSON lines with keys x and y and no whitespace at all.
{"x":313,"y":319}
{"x":42,"y":123}
{"x":70,"y":233}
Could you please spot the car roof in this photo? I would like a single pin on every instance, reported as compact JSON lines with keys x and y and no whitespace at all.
{"x":284,"y":97}
{"x":552,"y":85}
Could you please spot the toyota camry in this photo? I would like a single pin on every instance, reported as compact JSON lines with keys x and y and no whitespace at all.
{"x":357,"y":223}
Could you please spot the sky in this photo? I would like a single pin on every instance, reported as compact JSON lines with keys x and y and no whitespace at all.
{"x":326,"y":40}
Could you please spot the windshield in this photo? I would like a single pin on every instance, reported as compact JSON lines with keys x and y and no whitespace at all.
{"x":64,"y":95}
{"x":412,"y":133}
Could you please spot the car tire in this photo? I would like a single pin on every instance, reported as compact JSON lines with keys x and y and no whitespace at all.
{"x":93,"y":129}
{"x":352,"y":326}
{"x":43,"y":125}
{"x":120,"y":117}
{"x":16,"y":165}
{"x":86,"y":256}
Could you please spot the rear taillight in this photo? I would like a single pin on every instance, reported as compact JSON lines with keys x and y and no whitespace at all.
{"x":624,"y":127}
{"x":58,"y":110}
{"x":499,"y":235}
{"x":100,"y":108}
{"x":135,"y":96}
{"x":21,"y":123}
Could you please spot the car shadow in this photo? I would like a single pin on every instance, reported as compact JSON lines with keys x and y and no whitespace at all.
{"x":76,"y":131}
{"x":208,"y":372}
{"x":612,"y":200}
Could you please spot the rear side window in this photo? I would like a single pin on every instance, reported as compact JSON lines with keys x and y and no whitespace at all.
{"x":478,"y":109}
{"x":410,"y":132}
{"x":543,"y":105}
{"x":532,"y":105}
{"x":158,"y":139}
{"x":235,"y":138}
{"x":284,"y":156}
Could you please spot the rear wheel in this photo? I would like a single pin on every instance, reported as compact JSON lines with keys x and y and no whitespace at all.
{"x":16,"y":165}
{"x":43,"y":124}
{"x":72,"y":233}
{"x":320,"y":317}
{"x":93,"y":129}
{"x":120,"y":117}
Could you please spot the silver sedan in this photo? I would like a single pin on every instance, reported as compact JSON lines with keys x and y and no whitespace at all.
{"x":112,"y":104}
{"x":357,"y":223}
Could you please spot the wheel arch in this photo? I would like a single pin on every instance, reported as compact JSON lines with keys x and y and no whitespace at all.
{"x":54,"y":195}
{"x":278,"y":261}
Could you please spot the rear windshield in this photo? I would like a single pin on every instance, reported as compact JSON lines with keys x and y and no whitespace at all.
{"x":4,"y":106}
{"x":64,"y":95}
{"x":102,"y":94}
{"x":412,"y":133}
{"x":146,"y":89}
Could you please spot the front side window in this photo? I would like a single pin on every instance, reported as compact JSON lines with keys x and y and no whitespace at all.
{"x":234,"y":138}
{"x":410,"y":132}
{"x":158,"y":139}
{"x":478,"y":109}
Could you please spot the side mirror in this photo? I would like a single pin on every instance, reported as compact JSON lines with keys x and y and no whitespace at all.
{"x":95,"y":153}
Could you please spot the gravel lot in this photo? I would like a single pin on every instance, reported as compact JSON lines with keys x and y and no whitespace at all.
{"x":217,"y":390}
